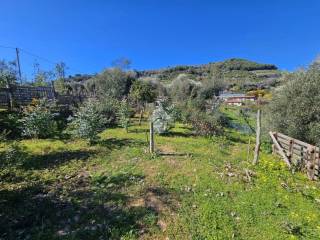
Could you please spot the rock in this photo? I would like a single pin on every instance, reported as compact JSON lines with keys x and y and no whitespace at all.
{"x":62,"y":233}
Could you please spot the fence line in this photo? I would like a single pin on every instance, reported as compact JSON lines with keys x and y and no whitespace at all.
{"x":296,"y":152}
{"x":23,"y":95}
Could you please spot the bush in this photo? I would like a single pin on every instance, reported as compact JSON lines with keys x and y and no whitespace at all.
{"x":10,"y":125}
{"x":294,"y":109}
{"x":206,"y":124}
{"x":124,"y":113}
{"x":108,"y":108}
{"x":87,"y":122}
{"x":113,"y":82}
{"x":38,"y":120}
{"x":14,"y":154}
{"x":162,"y":119}
{"x":182,"y":88}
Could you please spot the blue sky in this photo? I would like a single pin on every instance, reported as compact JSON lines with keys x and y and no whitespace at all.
{"x":89,"y":35}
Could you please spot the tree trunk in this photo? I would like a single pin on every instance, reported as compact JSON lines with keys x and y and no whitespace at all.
{"x":141,"y":115}
{"x":258,"y":136}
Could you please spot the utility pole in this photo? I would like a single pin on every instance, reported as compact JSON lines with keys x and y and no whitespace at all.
{"x":18,"y":62}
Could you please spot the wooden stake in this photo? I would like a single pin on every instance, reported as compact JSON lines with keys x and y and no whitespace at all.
{"x":258,"y":136}
{"x":151,"y":146}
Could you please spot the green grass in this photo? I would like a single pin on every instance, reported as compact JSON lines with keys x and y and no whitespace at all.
{"x":193,"y":188}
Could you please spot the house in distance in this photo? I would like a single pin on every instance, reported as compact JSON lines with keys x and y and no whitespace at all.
{"x":236,"y":99}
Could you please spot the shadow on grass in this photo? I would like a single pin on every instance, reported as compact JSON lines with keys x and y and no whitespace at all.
{"x":178,"y":134}
{"x":118,"y":181}
{"x":174,"y":154}
{"x":115,"y":143}
{"x":75,"y":209}
{"x":18,"y":156}
{"x":51,"y":160}
{"x":139,"y":130}
{"x":234,"y":139}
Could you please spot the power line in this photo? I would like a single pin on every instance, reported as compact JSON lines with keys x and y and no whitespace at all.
{"x":36,"y":56}
{"x":2,"y":46}
{"x":45,"y":59}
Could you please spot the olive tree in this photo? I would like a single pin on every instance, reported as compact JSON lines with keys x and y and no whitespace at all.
{"x":8,"y":74}
{"x":162,"y":118}
{"x":124,"y":113}
{"x":38,"y":120}
{"x":294,"y":109}
{"x":113,"y":82}
{"x":183,"y":88}
{"x":142,"y":92}
{"x":87,"y":122}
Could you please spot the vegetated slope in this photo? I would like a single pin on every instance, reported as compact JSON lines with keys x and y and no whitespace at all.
{"x":197,"y":188}
{"x":239,"y":73}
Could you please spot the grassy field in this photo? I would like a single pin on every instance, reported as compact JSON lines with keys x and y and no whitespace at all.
{"x":193,"y":188}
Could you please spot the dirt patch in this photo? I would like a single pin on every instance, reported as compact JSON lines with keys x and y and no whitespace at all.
{"x":156,"y":199}
{"x":161,"y":201}
{"x":154,"y":202}
{"x":166,"y":149}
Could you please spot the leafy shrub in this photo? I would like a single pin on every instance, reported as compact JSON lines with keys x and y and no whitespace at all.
{"x":124,"y":113}
{"x":13,"y":154}
{"x":142,"y":92}
{"x":10,"y":124}
{"x":61,"y":115}
{"x":38,"y":120}
{"x":87,"y":122}
{"x":182,"y":88}
{"x":108,"y":108}
{"x":206,"y":124}
{"x":113,"y":82}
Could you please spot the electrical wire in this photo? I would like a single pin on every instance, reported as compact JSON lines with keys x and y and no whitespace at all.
{"x":2,"y":46}
{"x":36,"y":56}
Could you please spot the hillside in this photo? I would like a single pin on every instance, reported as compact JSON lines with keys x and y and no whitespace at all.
{"x":239,"y":74}
{"x":236,"y":72}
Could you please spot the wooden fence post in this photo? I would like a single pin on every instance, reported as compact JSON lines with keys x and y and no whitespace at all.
{"x":258,"y":136}
{"x":316,"y":166}
{"x":290,"y":151}
{"x":151,"y":146}
{"x":53,"y":90}
{"x":274,"y":148}
{"x":311,"y":162}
